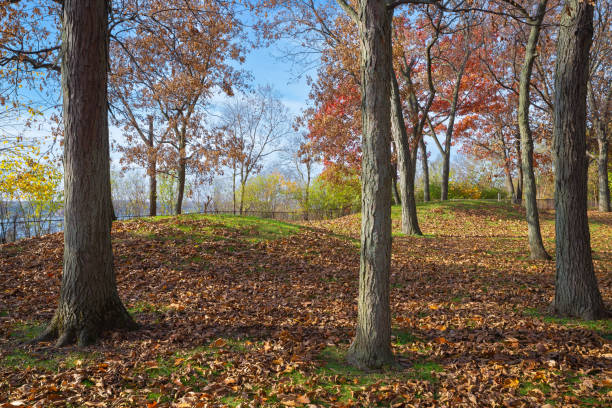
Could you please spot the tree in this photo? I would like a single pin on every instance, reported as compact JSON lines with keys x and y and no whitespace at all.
{"x":167,"y":66}
{"x":576,"y":289}
{"x":301,"y":159}
{"x":89,"y":302}
{"x":454,"y":58}
{"x":371,"y":347}
{"x":254,"y":127}
{"x":599,"y":98}
{"x":419,"y":99}
{"x":536,"y":246}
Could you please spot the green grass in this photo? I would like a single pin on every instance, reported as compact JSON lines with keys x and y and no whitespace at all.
{"x":22,"y":360}
{"x":337,"y":377}
{"x":502,"y":208}
{"x":403,"y":337}
{"x":53,"y":362}
{"x":145,"y":307}
{"x":425,"y":371}
{"x":602,"y":327}
{"x":26,"y":331}
{"x":244,"y":228}
{"x":528,"y":386}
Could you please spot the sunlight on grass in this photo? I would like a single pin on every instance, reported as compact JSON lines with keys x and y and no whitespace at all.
{"x":602,"y":327}
{"x":200,"y":228}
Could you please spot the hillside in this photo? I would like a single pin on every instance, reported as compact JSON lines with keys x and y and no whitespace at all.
{"x":252,"y":312}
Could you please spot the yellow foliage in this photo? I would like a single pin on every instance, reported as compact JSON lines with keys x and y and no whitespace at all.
{"x":23,"y":177}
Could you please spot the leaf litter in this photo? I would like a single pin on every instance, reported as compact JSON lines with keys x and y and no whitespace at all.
{"x":233,"y":317}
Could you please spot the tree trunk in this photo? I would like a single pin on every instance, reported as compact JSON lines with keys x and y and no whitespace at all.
{"x":113,"y":216}
{"x":576,"y":289}
{"x":446,"y":155}
{"x":536,"y":246}
{"x":181,"y":177}
{"x":152,"y":171}
{"x":234,"y":189}
{"x":371,"y":347}
{"x":445,"y":176}
{"x":602,"y":170}
{"x":406,"y":166}
{"x":396,"y":197}
{"x":242,"y":188}
{"x":507,"y":170}
{"x":89,"y":302}
{"x":518,"y":197}
{"x":307,"y":192}
{"x":426,"y":195}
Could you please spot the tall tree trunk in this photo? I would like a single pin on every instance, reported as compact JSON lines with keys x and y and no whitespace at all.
{"x":180,"y":187}
{"x":182,"y":167}
{"x":89,"y":302}
{"x":396,"y":197}
{"x":602,"y":169}
{"x":152,"y":170}
{"x":406,"y":165}
{"x":518,"y":196}
{"x":576,"y":289}
{"x":113,"y":216}
{"x":371,"y":347}
{"x":507,"y":170}
{"x":446,"y":154}
{"x":242,"y":188}
{"x":536,"y":246}
{"x":307,"y":192}
{"x":234,"y":189}
{"x":426,"y":195}
{"x":445,"y":176}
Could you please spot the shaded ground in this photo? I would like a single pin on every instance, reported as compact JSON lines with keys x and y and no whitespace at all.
{"x":256,"y":312}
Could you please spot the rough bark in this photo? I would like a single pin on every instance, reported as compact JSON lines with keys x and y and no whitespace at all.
{"x":396,"y":196}
{"x":371,"y":347}
{"x":576,"y":289}
{"x":602,"y":170}
{"x":182,"y":167}
{"x":425,"y":167}
{"x":518,"y":195}
{"x":242,"y":188}
{"x":152,"y":170}
{"x":405,"y":163}
{"x":507,"y":170}
{"x":536,"y":245}
{"x":234,"y":189}
{"x":113,"y":216}
{"x":89,"y":302}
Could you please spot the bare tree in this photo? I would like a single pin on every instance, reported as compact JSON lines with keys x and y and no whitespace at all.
{"x":254,"y":126}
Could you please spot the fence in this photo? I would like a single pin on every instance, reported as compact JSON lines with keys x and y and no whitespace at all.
{"x":12,"y":229}
{"x":15,"y":228}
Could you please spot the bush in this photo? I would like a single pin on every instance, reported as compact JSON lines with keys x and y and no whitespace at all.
{"x":335,"y":189}
{"x":461,"y":190}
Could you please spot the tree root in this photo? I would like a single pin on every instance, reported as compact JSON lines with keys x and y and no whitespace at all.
{"x":84,"y":333}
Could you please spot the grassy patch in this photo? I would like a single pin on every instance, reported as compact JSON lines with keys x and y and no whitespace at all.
{"x":20,"y":359}
{"x":145,"y":307}
{"x":425,"y":371}
{"x":218,"y":228}
{"x":602,"y":327}
{"x":27,"y":331}
{"x":527,"y":386}
{"x":232,"y":401}
{"x":403,"y":337}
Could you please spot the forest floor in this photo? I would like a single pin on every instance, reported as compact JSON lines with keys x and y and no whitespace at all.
{"x":248,"y":312}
